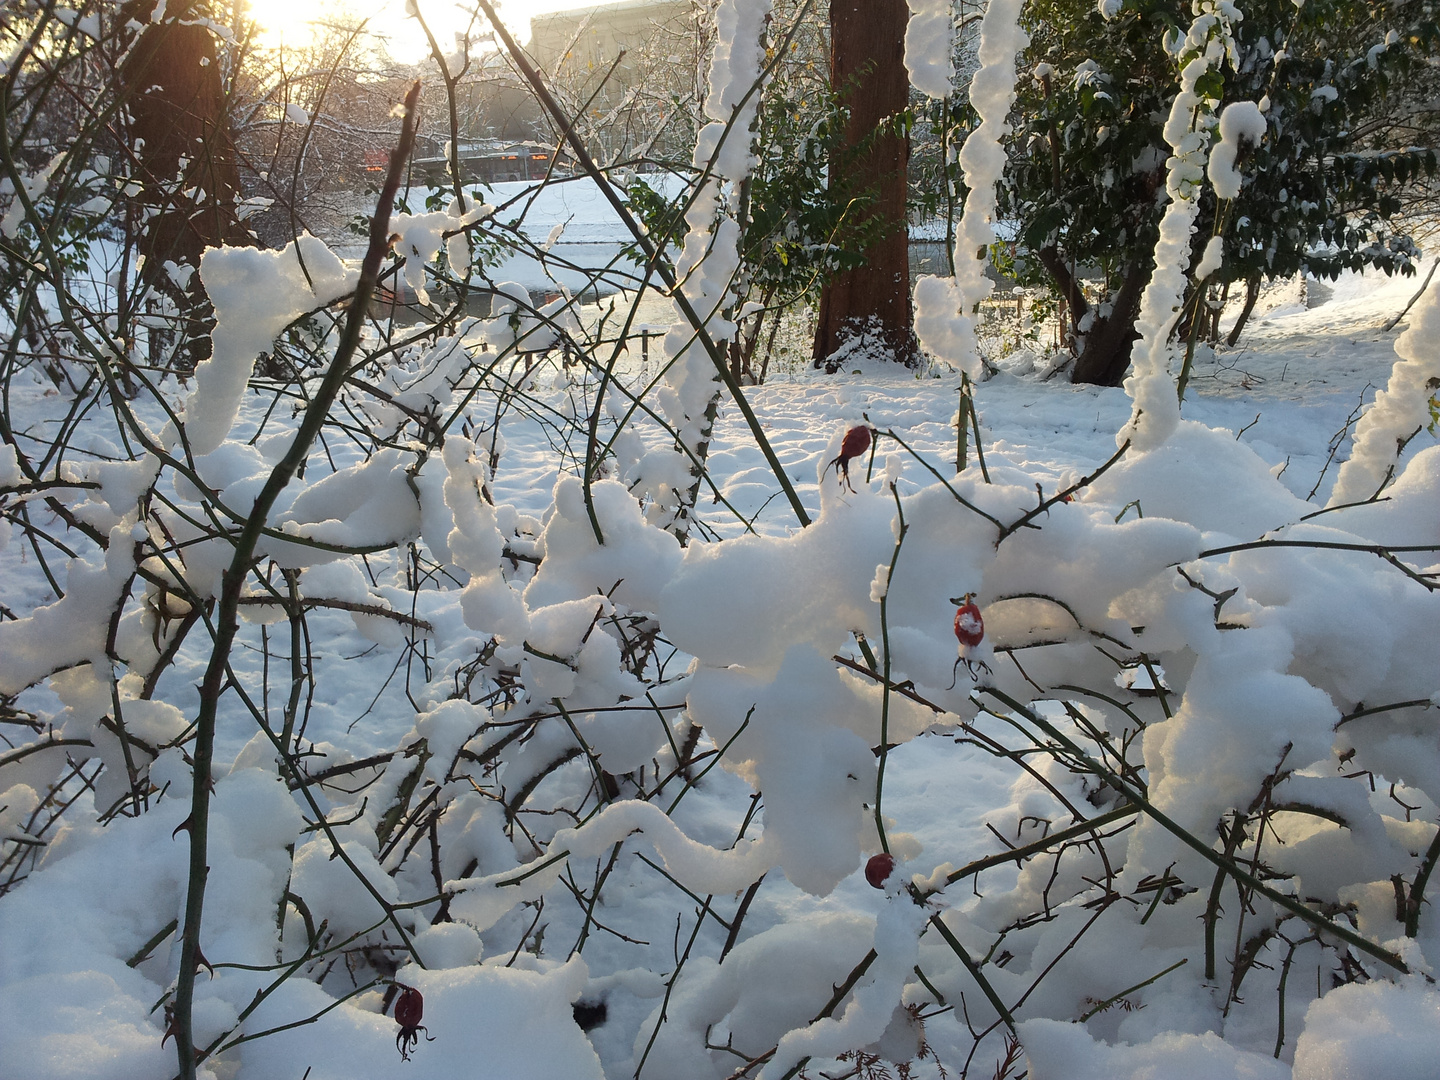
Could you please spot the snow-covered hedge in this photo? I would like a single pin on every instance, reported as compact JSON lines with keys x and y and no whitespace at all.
{"x":592,"y":768}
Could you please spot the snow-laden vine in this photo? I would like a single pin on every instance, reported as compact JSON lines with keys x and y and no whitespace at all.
{"x":1399,"y":412}
{"x":928,"y":41}
{"x":1188,"y":131}
{"x":709,"y":260}
{"x":944,"y":306}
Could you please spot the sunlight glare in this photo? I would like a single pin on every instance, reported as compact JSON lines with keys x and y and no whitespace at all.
{"x":290,"y":22}
{"x":284,"y":21}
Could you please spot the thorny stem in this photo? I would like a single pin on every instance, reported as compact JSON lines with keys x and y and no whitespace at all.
{"x":1280,"y":992}
{"x":1138,"y":986}
{"x":1212,"y":905}
{"x":739,"y":917}
{"x":856,"y":974}
{"x":962,"y":423}
{"x":979,"y":443}
{"x":227,"y":611}
{"x":1417,"y":890}
{"x":1020,"y":854}
{"x":948,"y":487}
{"x":974,"y":970}
{"x":680,"y":961}
{"x":1060,"y":496}
{"x":885,"y":674}
{"x":1383,"y":551}
{"x":595,"y":897}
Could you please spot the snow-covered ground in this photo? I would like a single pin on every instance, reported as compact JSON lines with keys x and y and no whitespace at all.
{"x":563,"y":736}
{"x":499,"y":982}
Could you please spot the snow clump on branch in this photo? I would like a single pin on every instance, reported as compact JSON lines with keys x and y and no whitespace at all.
{"x":928,"y":41}
{"x":1400,"y":411}
{"x":256,"y":294}
{"x":1241,"y":120}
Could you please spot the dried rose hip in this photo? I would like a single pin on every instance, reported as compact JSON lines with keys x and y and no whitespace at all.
{"x":409,"y":1011}
{"x":855,"y":443}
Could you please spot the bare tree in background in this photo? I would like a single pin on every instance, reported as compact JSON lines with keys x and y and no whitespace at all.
{"x":312,"y":124}
{"x":632,"y":80}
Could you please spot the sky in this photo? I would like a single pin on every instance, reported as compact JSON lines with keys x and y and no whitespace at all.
{"x":288,"y":20}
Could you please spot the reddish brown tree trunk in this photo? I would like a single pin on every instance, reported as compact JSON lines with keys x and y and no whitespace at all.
{"x":867,"y":66}
{"x":184,"y":151}
{"x":180,"y":124}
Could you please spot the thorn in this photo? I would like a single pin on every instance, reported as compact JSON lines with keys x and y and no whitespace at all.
{"x":184,"y":826}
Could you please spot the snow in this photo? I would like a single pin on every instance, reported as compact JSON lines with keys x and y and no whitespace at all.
{"x":1373,"y":1030}
{"x":929,"y":36}
{"x":1059,"y":1051}
{"x":584,"y":754}
{"x":795,"y":726}
{"x":1241,"y":120}
{"x":72,"y":629}
{"x":945,"y":307}
{"x":1400,"y":409}
{"x":256,"y":294}
{"x":499,"y":1023}
{"x":420,"y":236}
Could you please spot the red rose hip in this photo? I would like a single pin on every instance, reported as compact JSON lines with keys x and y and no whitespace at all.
{"x":409,"y":1007}
{"x":969,"y":626}
{"x":877,"y":870}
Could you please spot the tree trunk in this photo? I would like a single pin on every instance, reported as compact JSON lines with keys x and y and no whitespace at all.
{"x":871,"y":303}
{"x":1106,"y":355}
{"x":1054,"y":264}
{"x":1252,"y":293}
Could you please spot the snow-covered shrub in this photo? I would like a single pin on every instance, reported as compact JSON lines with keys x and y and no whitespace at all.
{"x":310,"y":708}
